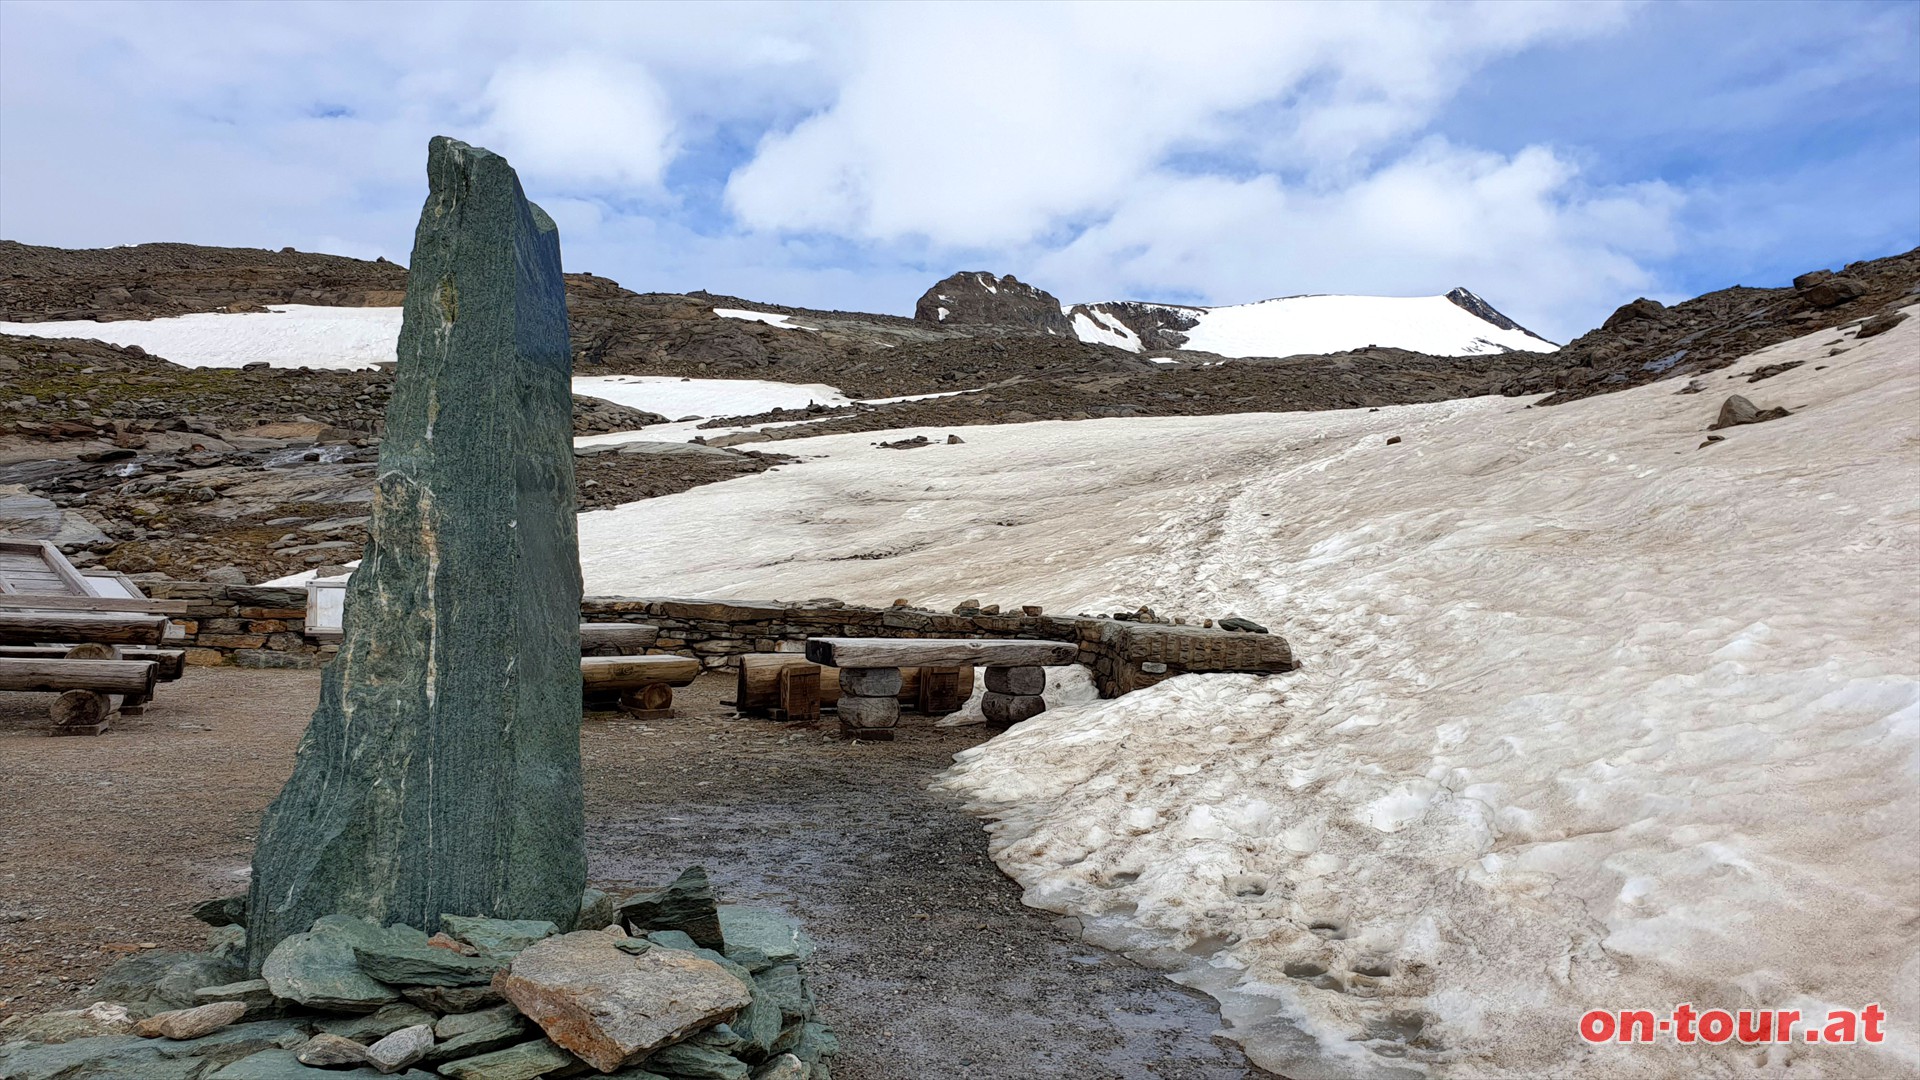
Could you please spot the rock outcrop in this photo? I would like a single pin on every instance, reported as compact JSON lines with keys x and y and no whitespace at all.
{"x":441,"y":772}
{"x":977,"y":298}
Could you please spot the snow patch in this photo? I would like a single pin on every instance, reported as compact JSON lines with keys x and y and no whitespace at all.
{"x":285,"y":335}
{"x":784,"y":322}
{"x":1590,"y":716}
{"x":1096,"y":330}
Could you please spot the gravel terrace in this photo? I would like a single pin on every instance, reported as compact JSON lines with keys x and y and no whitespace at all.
{"x":929,"y":966}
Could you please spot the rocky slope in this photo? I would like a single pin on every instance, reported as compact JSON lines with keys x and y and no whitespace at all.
{"x":136,"y":464}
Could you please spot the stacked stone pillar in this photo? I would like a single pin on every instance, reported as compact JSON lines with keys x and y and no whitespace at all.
{"x":869,"y":701}
{"x":1014,"y":693}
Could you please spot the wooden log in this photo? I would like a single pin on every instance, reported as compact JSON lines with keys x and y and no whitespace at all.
{"x":756,"y":684}
{"x":937,"y":652}
{"x":616,"y":639}
{"x":654,"y":701}
{"x":623,"y":672}
{"x":800,"y":693}
{"x":34,"y":627}
{"x":172,"y":662}
{"x":100,"y":676}
{"x":79,"y":712}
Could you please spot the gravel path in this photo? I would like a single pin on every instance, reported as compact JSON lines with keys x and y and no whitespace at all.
{"x":928,"y":966}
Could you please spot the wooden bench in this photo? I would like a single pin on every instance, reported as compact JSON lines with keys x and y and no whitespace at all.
{"x":86,"y":686}
{"x":871,"y":682}
{"x":775,"y":685}
{"x":641,"y":686}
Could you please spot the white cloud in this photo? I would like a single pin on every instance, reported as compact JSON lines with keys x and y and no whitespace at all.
{"x":582,"y":121}
{"x":985,"y":126}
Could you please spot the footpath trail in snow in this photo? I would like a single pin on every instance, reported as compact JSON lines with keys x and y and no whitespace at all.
{"x":1590,"y":716}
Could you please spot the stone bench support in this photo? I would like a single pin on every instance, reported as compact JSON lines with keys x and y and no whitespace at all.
{"x":870,"y":675}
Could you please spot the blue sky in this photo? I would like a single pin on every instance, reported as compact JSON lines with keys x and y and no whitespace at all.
{"x":1557,"y":159}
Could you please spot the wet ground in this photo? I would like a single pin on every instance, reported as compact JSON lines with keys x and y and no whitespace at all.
{"x":929,"y":967}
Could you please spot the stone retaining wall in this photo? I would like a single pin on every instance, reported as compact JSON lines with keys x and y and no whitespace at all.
{"x":259,"y":626}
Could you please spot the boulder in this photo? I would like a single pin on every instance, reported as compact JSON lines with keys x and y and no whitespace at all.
{"x":320,"y":968}
{"x":1834,"y":291}
{"x":226,"y":911}
{"x":67,"y":1025}
{"x":179,"y":1024}
{"x":377,"y":1025}
{"x":1641,"y":310}
{"x":612,"y":1008}
{"x":326,"y":1051}
{"x":1737,"y":410}
{"x":156,"y":981}
{"x":686,"y":905}
{"x":402,"y":1048}
{"x":766,"y":938}
{"x":784,"y":1067}
{"x":978,"y":298}
{"x":254,"y":995}
{"x":1880,"y":324}
{"x":441,"y":771}
{"x":597,"y":910}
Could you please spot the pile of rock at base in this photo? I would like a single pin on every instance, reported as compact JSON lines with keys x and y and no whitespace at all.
{"x":665,"y":985}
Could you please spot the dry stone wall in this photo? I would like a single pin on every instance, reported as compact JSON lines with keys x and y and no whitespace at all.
{"x":263,"y":627}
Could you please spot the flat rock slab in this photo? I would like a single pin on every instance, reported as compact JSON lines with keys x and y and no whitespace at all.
{"x":401,"y":1049}
{"x":612,"y":1008}
{"x":525,"y":1061}
{"x":937,"y":652}
{"x":319,"y":968}
{"x":192,"y":1023}
{"x":285,"y":1065}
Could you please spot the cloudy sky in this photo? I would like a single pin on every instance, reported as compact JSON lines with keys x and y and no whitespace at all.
{"x":1557,"y":159}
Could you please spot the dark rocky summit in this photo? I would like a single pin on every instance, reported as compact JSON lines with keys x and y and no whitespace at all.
{"x":441,"y":772}
{"x":977,"y":298}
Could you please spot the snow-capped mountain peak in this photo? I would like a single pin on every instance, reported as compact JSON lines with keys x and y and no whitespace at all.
{"x":1456,"y":324}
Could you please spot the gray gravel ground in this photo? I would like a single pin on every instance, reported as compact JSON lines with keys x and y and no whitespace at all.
{"x":929,"y":967}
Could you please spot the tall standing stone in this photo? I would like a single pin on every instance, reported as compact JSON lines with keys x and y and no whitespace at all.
{"x":441,"y":772}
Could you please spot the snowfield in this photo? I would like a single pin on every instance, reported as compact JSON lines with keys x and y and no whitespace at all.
{"x":1294,"y":325}
{"x":286,"y":335}
{"x":1590,"y":716}
{"x":771,"y":318}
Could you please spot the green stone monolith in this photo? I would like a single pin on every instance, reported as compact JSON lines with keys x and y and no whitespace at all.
{"x":441,"y":772}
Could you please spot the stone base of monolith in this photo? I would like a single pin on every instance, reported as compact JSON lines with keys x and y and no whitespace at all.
{"x":441,"y":772}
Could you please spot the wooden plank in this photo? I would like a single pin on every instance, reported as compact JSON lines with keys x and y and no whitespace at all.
{"x":100,"y":676}
{"x":172,"y":663}
{"x":52,"y":602}
{"x":937,"y":652}
{"x":940,"y":691}
{"x":756,"y":687}
{"x":37,"y":627}
{"x":622,"y":672}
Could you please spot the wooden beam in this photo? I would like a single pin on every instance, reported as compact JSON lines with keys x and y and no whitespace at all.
{"x":35,"y":627}
{"x":100,"y":676}
{"x":51,"y":602}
